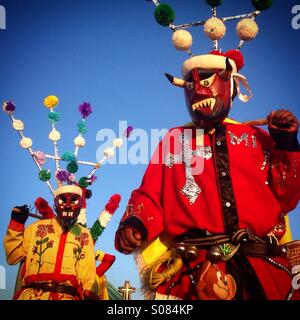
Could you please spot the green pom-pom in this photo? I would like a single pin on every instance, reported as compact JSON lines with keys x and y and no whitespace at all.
{"x":164,"y":14}
{"x":81,"y":127}
{"x":96,"y":230}
{"x":262,"y":4}
{"x":53,"y":117}
{"x":83,"y":182}
{"x":68,"y":156}
{"x":72,"y":167}
{"x":213,"y":3}
{"x":44,"y":175}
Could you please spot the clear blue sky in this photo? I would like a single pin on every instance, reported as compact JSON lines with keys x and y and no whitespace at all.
{"x":113,"y":54}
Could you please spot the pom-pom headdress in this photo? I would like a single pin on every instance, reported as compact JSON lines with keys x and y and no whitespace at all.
{"x":215,"y":29}
{"x":65,"y":177}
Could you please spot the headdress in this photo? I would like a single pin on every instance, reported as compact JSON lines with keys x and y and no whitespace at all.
{"x":64,"y":176}
{"x":215,"y":28}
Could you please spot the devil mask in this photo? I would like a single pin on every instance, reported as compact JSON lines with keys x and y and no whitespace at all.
{"x":67,"y":206}
{"x":208,"y":95}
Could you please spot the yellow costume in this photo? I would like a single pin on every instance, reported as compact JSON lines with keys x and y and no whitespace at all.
{"x":58,"y":265}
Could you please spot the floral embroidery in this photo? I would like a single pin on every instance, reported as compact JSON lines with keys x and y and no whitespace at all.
{"x":83,"y":240}
{"x":43,"y":243}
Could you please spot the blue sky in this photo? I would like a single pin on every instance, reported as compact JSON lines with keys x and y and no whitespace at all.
{"x":113,"y":54}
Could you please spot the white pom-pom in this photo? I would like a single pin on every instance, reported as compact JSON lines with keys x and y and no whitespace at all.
{"x":109,"y":152}
{"x":104,"y":218}
{"x":79,"y":141}
{"x":54,"y":135}
{"x":247,"y":29}
{"x":18,"y":125}
{"x":182,"y":40}
{"x":26,"y":143}
{"x":118,"y":142}
{"x":214,"y":28}
{"x":82,"y":217}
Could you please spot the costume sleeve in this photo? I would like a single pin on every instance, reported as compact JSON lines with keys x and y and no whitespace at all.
{"x":87,"y":272}
{"x":144,"y":209}
{"x":16,"y":242}
{"x":106,"y":262}
{"x":284,"y":169}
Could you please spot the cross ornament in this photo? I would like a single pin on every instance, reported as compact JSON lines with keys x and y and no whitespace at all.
{"x":126,"y":290}
{"x":191,"y":190}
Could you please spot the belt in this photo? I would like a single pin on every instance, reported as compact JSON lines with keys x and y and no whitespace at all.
{"x":246,"y":242}
{"x":54,"y":287}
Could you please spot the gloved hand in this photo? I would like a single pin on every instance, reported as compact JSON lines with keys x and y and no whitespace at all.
{"x":127,"y":239}
{"x":283,"y":128}
{"x":20,"y":214}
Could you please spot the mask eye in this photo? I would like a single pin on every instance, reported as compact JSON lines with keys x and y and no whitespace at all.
{"x":75,"y":202}
{"x":209,"y":81}
{"x":60,"y":201}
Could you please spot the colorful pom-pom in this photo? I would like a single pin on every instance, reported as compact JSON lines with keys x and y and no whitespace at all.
{"x":109,"y":152}
{"x":164,"y":15}
{"x":40,"y":157}
{"x":182,"y":40}
{"x":262,"y":4}
{"x":18,"y":125}
{"x":62,"y":175}
{"x":247,"y":29}
{"x":44,"y":175}
{"x":54,"y":135}
{"x":26,"y":143}
{"x":83,"y":182}
{"x":79,"y":141}
{"x":51,"y":102}
{"x":9,"y":107}
{"x":113,"y":203}
{"x":81,"y":127}
{"x":128,"y":132}
{"x":213,"y":3}
{"x":215,"y":28}
{"x":118,"y":142}
{"x":71,"y":178}
{"x":72,"y":167}
{"x":68,"y":156}
{"x":85,"y":109}
{"x":93,"y":178}
{"x":237,"y":57}
{"x":53,"y":117}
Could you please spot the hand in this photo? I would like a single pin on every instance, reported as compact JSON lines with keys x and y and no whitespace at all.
{"x":128,"y":239}
{"x":283,"y":120}
{"x":20,"y":214}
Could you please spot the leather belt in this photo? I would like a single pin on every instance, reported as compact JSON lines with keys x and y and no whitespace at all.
{"x":54,"y":287}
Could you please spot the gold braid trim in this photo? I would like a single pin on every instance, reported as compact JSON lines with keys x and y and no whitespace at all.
{"x":151,"y":278}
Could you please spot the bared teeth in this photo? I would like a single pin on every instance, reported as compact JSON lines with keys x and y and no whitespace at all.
{"x":207,"y":103}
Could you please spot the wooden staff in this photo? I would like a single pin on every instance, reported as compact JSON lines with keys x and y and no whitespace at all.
{"x":258,"y":122}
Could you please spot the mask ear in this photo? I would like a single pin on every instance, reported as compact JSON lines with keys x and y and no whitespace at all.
{"x":176,"y":81}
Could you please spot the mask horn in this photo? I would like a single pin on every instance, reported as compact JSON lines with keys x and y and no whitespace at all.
{"x":176,"y":81}
{"x":227,"y":72}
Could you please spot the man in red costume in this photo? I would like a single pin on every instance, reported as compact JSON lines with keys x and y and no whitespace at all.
{"x":208,"y":216}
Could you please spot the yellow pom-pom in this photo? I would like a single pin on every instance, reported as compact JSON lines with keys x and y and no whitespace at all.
{"x":79,"y":141}
{"x":182,"y":40}
{"x":54,"y":135}
{"x":215,"y":28}
{"x":51,"y":102}
{"x":26,"y":143}
{"x":118,"y":142}
{"x":247,"y":29}
{"x":18,"y":125}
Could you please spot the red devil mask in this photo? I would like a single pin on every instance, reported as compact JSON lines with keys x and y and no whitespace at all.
{"x":67,"y":206}
{"x":209,"y":94}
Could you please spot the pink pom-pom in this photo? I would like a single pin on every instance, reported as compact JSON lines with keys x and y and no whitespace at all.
{"x":113,"y":203}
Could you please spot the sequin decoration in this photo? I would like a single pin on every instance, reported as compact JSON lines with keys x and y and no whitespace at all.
{"x":235,"y":140}
{"x":267,"y":157}
{"x":190,"y":190}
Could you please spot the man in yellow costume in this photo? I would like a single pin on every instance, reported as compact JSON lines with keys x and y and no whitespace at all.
{"x":58,"y":253}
